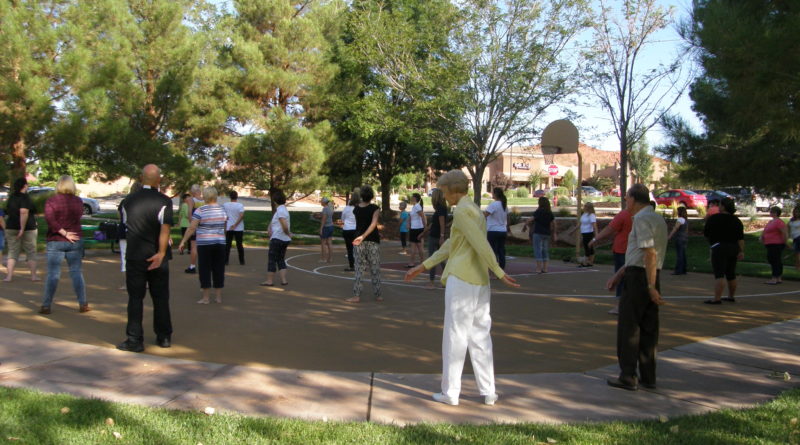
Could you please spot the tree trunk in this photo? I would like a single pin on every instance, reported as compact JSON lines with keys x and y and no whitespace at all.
{"x":623,"y":168}
{"x":477,"y":179}
{"x":386,"y":196}
{"x":18,"y":158}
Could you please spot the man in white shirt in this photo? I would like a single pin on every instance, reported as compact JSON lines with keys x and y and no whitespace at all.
{"x":235,"y":229}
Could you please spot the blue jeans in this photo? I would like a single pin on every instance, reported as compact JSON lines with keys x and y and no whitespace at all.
{"x":541,"y":247}
{"x":680,"y":253}
{"x":56,"y":252}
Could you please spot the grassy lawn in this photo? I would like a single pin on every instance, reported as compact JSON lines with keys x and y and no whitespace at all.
{"x":28,"y":417}
{"x":754,"y":264}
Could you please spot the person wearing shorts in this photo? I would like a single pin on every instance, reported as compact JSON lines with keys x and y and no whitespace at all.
{"x":725,"y":234}
{"x":417,"y":224}
{"x":21,"y":230}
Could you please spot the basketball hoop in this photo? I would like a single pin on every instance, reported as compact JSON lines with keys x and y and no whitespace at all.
{"x":549,"y":152}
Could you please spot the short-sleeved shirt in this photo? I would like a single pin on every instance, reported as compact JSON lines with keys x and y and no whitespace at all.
{"x":723,"y":228}
{"x":416,"y":219}
{"x":143,"y":213}
{"x":649,"y":230}
{"x":587,"y":221}
{"x":211,"y":229}
{"x":364,"y":219}
{"x":328,"y":212}
{"x":497,"y":220}
{"x":275,"y":225}
{"x":436,"y":229}
{"x":541,"y":221}
{"x":794,"y":228}
{"x":183,"y":215}
{"x":15,"y":203}
{"x":403,"y":221}
{"x":773,"y":232}
{"x":348,"y":219}
{"x":234,"y":210}
{"x":621,"y":224}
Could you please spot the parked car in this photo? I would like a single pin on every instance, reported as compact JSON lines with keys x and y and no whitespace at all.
{"x":90,"y":205}
{"x":588,"y":190}
{"x":615,"y":192}
{"x":751,"y":196}
{"x":3,"y":192}
{"x":714,"y":194}
{"x":539,"y":193}
{"x":686,"y":198}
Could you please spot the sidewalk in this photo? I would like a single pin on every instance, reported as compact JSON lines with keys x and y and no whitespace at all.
{"x":732,"y":371}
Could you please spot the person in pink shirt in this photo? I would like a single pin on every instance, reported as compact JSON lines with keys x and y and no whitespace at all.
{"x":774,"y":239}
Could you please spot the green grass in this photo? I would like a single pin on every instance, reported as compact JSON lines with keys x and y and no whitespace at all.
{"x":697,"y":255}
{"x":29,"y":417}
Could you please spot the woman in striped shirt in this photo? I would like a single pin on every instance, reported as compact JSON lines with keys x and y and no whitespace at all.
{"x":209,"y":223}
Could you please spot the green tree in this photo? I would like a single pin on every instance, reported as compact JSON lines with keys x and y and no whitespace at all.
{"x":746,"y":96}
{"x":516,"y":54}
{"x":641,"y":163}
{"x":569,"y":181}
{"x":285,"y":156}
{"x":634,"y":95}
{"x":394,"y":60}
{"x":30,"y":81}
{"x":602,"y":183}
{"x":131,"y":72}
{"x":536,"y":179}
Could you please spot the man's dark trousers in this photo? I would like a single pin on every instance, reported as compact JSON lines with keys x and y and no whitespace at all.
{"x":637,"y":327}
{"x":137,"y":279}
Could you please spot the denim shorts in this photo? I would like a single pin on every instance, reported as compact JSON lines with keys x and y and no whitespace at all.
{"x":327,"y":232}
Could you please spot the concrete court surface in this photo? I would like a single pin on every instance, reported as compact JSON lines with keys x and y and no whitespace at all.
{"x":301,"y":351}
{"x":556,"y":322}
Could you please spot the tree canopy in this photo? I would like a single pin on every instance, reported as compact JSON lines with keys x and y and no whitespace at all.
{"x":746,"y":96}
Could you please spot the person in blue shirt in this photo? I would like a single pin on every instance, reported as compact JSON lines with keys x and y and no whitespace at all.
{"x":403,"y":228}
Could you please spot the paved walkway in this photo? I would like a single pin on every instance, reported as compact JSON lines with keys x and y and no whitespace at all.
{"x":732,"y":371}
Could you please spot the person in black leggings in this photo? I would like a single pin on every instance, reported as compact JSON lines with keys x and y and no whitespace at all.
{"x":725,"y":234}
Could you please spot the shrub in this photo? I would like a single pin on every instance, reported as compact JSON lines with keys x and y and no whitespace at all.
{"x":514,"y":217}
{"x":747,"y":210}
{"x":470,"y":192}
{"x":563,"y":211}
{"x":674,"y":208}
{"x":558,"y":191}
{"x":521,"y":192}
{"x":486,"y":195}
{"x":701,"y":210}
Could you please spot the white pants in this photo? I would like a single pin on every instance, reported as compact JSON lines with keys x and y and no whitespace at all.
{"x":123,"y":247}
{"x":466,"y":326}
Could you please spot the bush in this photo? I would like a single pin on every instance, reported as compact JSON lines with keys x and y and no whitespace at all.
{"x":471,"y":192}
{"x":674,"y":208}
{"x":558,"y":191}
{"x":563,"y":211}
{"x":701,"y":210}
{"x":486,"y":195}
{"x":747,"y":210}
{"x":514,"y":217}
{"x":521,"y":192}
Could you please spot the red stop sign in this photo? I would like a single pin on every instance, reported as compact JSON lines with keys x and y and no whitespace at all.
{"x":552,"y":169}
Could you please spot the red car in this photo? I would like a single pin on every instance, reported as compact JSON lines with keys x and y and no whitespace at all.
{"x":686,"y":198}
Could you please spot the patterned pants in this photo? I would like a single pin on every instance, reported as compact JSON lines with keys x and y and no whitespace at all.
{"x":368,"y":252}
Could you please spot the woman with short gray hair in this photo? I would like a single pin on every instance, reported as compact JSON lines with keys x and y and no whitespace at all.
{"x":209,"y":222}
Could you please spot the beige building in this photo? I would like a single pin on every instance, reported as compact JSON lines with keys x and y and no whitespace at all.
{"x":515,"y":165}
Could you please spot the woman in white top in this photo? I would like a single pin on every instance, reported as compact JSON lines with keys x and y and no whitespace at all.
{"x":417,"y":226}
{"x":497,"y":225}
{"x":349,"y":227}
{"x":794,"y":234}
{"x":280,"y":235}
{"x":588,"y":233}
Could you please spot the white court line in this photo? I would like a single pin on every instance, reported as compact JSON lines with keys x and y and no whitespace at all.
{"x":317,"y":271}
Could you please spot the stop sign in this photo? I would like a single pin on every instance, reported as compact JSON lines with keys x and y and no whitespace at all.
{"x":552,"y":169}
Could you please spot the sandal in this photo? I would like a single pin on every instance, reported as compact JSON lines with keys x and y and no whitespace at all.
{"x":713,"y":302}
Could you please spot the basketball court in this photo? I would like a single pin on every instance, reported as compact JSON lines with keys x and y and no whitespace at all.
{"x":555,"y":322}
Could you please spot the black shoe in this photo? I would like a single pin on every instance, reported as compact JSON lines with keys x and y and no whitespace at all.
{"x":647,"y":385}
{"x":164,"y":342}
{"x":729,"y":299}
{"x":130,"y":346}
{"x":623,"y":384}
{"x":190,"y":269}
{"x":713,"y":302}
{"x":349,"y":269}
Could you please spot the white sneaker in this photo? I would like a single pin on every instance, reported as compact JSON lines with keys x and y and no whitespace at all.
{"x":441,"y":398}
{"x":490,"y":399}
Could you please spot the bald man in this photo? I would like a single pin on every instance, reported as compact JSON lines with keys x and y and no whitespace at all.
{"x":147,"y":215}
